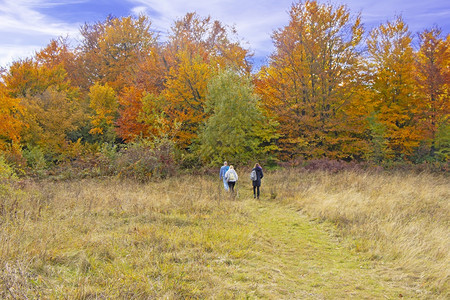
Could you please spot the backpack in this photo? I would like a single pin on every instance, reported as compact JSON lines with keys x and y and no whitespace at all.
{"x":253,"y":176}
{"x":231,"y":177}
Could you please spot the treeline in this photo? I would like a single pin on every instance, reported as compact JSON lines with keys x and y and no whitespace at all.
{"x":329,"y":90}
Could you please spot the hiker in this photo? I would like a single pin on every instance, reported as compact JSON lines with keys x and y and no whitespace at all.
{"x":222,"y":172}
{"x":231,"y":176}
{"x":255,"y":176}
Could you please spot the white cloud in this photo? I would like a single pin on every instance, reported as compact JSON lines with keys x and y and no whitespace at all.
{"x":139,"y":10}
{"x":254,"y":20}
{"x":20,"y":16}
{"x":10,"y":53}
{"x":24,"y":30}
{"x":24,"y":25}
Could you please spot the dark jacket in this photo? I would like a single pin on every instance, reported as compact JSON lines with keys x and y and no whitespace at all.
{"x":259,"y":175}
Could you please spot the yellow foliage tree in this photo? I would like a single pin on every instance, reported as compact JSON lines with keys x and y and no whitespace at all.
{"x":185,"y":95}
{"x":394,"y":100}
{"x":50,"y":116}
{"x":103,"y":102}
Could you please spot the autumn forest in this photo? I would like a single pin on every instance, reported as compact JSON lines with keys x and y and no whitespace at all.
{"x":330,"y":90}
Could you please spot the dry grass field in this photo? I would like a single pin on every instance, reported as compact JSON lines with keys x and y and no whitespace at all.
{"x":402,"y":218}
{"x":313,"y":235}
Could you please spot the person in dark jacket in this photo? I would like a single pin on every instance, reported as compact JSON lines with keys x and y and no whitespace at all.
{"x":257,"y":183}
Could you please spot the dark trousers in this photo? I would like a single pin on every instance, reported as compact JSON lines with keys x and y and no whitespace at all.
{"x":256,"y":191}
{"x":231,"y":185}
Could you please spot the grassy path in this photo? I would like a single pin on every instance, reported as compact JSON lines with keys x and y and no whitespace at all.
{"x":297,"y":258}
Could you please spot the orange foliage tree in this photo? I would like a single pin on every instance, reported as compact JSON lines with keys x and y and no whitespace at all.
{"x":394,"y":100}
{"x":28,"y":78}
{"x":11,"y":124}
{"x":51,"y":103}
{"x":433,"y":83}
{"x":311,"y":79}
{"x":112,"y":50}
{"x":129,"y":126}
{"x":58,"y":53}
{"x":133,"y":121}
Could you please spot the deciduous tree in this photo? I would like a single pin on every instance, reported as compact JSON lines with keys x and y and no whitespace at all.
{"x":237,"y":130}
{"x":129,"y":126}
{"x":103,"y":102}
{"x":112,"y":50}
{"x":11,"y":119}
{"x":52,"y":105}
{"x":433,"y":83}
{"x":311,"y":79}
{"x":50,"y":116}
{"x":394,"y":100}
{"x":197,"y":47}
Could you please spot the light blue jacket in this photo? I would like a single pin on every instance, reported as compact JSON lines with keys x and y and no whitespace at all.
{"x":223,"y":170}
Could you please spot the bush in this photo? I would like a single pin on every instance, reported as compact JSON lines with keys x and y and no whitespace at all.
{"x":8,"y":192}
{"x":7,"y":174}
{"x":36,"y":163}
{"x":144,"y":160}
{"x":107,"y":159}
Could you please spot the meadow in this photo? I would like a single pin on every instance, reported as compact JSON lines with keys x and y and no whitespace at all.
{"x":312,"y":235}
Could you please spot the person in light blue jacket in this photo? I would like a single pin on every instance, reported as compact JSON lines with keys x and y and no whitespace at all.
{"x":223,"y":170}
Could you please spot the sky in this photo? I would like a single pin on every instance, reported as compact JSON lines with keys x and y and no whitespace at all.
{"x":26,"y":26}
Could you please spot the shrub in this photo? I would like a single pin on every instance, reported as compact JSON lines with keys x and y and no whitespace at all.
{"x":36,"y":162}
{"x":107,"y":159}
{"x":7,"y":173}
{"x":8,"y":193}
{"x":143,"y":160}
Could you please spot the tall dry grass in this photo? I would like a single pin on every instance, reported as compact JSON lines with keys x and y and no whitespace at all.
{"x":402,"y":217}
{"x":113,"y":239}
{"x":183,"y":237}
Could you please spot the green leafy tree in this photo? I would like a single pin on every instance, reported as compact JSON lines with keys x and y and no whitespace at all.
{"x":237,"y":130}
{"x":379,"y":151}
{"x":442,"y":142}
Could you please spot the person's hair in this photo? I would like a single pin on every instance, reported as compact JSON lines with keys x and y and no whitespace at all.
{"x":257,"y":165}
{"x":231,"y":167}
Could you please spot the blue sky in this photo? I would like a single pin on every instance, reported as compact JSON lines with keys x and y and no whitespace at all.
{"x":28,"y":25}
